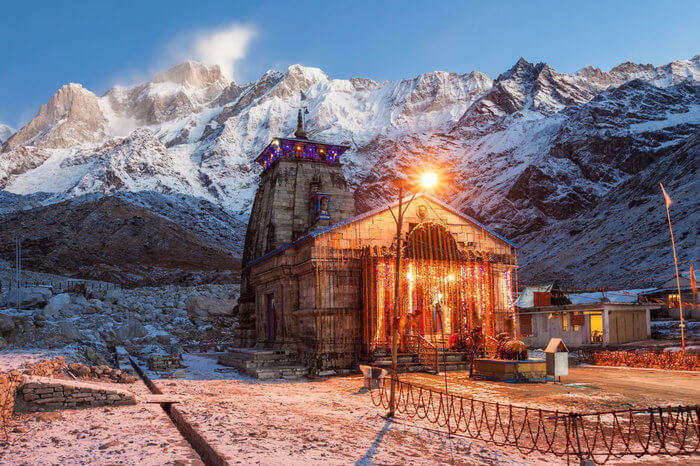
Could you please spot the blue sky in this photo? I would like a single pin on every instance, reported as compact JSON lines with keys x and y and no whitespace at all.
{"x":101,"y":43}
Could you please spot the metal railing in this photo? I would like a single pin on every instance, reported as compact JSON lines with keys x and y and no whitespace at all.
{"x":597,"y":436}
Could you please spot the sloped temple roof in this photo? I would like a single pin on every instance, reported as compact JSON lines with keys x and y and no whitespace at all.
{"x":376,"y":211}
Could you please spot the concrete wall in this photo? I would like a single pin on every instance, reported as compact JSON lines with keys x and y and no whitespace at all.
{"x":622,"y":323}
{"x":545,"y":329}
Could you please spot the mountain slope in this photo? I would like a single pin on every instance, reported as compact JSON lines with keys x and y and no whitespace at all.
{"x":526,"y":152}
{"x":130,"y":238}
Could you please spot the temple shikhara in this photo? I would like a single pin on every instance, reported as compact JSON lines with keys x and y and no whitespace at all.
{"x":318,"y":280}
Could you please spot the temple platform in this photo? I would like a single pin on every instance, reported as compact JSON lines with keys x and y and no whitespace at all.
{"x":411,"y":362}
{"x":530,"y":370}
{"x":264,"y":364}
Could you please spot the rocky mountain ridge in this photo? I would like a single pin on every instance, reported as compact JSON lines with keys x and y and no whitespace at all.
{"x":525,"y":152}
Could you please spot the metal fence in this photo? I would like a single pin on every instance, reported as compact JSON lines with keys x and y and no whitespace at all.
{"x":598,"y":436}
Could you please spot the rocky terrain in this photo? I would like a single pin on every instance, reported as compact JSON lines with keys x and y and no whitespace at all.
{"x":566,"y":165}
{"x":153,"y":324}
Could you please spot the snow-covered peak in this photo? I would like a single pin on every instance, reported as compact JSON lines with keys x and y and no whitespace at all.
{"x":193,"y":74}
{"x":662,"y":76}
{"x":182,"y":90}
{"x":307,"y":73}
{"x":71,"y":117}
{"x":5,"y":132}
{"x":522,"y":71}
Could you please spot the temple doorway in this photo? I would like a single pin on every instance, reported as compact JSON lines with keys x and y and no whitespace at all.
{"x":271,"y":314}
{"x":444,"y":294}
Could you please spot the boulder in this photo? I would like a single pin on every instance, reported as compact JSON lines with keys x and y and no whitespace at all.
{"x":113,"y":297}
{"x":204,"y":309}
{"x":69,"y":331}
{"x":7,"y":324}
{"x":58,"y":304}
{"x":95,"y":306}
{"x":130,"y":331}
{"x":79,"y":304}
{"x":30,"y":297}
{"x":93,"y":356}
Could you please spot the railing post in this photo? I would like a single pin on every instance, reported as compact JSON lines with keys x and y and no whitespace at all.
{"x":573,"y":419}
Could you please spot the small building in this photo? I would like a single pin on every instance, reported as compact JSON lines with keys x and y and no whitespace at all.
{"x":318,"y":280}
{"x":667,"y":295}
{"x":586,"y":324}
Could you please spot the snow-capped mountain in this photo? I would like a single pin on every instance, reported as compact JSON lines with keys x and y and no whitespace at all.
{"x":527,"y":151}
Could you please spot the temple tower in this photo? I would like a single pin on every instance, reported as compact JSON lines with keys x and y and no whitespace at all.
{"x":302,"y":189}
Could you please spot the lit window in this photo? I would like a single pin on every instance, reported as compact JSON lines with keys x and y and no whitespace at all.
{"x":673,"y":300}
{"x":564,"y":321}
{"x":596,"y":327}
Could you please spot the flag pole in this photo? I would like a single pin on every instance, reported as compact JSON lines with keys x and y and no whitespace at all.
{"x":667,"y":199}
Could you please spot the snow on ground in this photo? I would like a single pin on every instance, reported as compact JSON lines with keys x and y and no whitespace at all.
{"x":329,"y":421}
{"x":334,"y":421}
{"x":139,"y":434}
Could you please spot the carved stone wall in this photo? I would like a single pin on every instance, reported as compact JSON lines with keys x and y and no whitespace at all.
{"x":283,"y":212}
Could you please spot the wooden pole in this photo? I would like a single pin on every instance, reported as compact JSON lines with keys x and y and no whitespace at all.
{"x":678,"y":280}
{"x":395,"y":311}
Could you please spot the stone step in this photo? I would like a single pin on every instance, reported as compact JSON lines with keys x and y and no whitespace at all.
{"x":280,"y":372}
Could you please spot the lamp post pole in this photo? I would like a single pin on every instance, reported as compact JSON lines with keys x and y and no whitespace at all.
{"x":429,"y":179}
{"x":397,"y":303}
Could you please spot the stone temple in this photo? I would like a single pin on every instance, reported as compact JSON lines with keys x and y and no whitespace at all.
{"x":317,"y":287}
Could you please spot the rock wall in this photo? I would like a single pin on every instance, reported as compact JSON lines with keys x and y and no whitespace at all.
{"x":41,"y":393}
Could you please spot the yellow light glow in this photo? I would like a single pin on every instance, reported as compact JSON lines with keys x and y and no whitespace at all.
{"x":429,"y":180}
{"x":451,"y":277}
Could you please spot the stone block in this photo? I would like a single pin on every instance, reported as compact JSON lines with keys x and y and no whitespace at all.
{"x":43,"y":401}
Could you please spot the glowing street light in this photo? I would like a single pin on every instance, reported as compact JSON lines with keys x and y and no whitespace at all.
{"x":429,"y":179}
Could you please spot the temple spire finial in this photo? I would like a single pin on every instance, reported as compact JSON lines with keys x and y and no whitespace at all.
{"x":300,"y":133}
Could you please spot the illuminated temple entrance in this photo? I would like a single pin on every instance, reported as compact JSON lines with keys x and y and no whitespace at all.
{"x":445,"y":293}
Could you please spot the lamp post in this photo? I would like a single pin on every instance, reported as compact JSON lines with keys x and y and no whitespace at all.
{"x":428,"y":180}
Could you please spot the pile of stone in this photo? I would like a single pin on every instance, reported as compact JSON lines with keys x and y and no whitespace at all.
{"x":46,"y":367}
{"x":9,"y":382}
{"x":140,"y":320}
{"x":103,"y":373}
{"x":164,"y":362}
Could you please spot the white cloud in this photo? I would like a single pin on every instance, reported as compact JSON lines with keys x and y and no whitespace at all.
{"x":222,"y":46}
